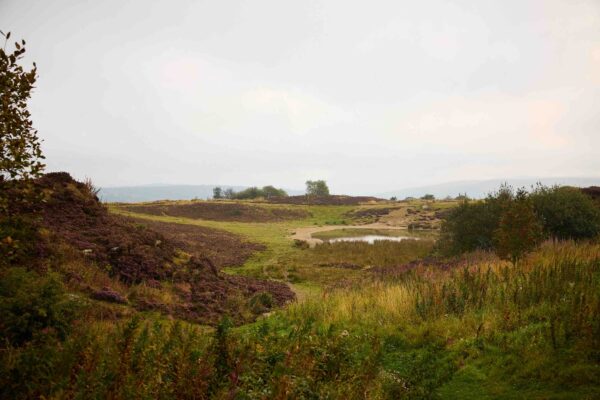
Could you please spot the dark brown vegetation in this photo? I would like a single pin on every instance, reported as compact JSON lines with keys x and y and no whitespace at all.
{"x":219,"y":211}
{"x":223,"y":248}
{"x":332,"y":200}
{"x":71,"y":224}
{"x":367,"y":215}
{"x":593,"y":192}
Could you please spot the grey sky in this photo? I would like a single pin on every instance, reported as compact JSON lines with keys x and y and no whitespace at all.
{"x":371,"y":96}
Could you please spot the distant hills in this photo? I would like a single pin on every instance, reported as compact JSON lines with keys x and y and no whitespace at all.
{"x":480,"y":188}
{"x":133,"y":194}
{"x":474,"y":189}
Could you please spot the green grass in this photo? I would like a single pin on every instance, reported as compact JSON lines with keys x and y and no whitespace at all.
{"x":272,"y":263}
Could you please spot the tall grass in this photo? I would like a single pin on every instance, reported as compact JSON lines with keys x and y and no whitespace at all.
{"x":486,"y":329}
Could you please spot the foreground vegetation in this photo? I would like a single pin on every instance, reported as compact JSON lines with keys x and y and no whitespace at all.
{"x":485,"y":330}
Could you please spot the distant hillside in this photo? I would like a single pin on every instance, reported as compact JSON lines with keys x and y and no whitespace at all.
{"x":132,"y":194}
{"x":479,"y":189}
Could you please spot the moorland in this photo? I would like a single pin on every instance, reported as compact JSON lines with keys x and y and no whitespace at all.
{"x":256,"y":298}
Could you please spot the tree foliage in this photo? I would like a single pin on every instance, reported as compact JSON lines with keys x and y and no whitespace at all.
{"x":254,"y":192}
{"x":217,"y":193}
{"x":20,"y":151}
{"x":566,"y":212}
{"x":317,"y":188}
{"x":503,"y":219}
{"x":519,"y":229}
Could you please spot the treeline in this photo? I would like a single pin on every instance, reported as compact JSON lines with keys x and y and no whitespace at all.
{"x":511,"y":223}
{"x":253,"y":192}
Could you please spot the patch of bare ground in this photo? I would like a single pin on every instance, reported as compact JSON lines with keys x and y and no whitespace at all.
{"x":220,"y":211}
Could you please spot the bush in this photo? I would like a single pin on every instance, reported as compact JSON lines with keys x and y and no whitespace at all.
{"x":31,"y":304}
{"x":562,"y":212}
{"x":566,"y":212}
{"x":261,"y":302}
{"x":19,"y":241}
{"x":519,"y":229}
{"x":472,"y":225}
{"x":255,"y":192}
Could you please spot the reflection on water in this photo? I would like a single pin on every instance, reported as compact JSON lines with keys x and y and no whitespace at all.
{"x":372,"y":238}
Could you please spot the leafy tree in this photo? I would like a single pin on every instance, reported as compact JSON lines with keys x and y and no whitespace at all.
{"x":428,"y":197}
{"x":317,"y":188}
{"x":472,"y":224}
{"x":229,"y":193}
{"x":271,"y":191}
{"x":566,"y":212}
{"x":20,"y":151}
{"x":519,"y":229}
{"x":217,"y":193}
{"x":249,"y":193}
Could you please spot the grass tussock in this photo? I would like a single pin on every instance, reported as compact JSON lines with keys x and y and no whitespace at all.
{"x":380,"y":253}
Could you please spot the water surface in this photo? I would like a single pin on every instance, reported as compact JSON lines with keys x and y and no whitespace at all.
{"x":371,"y":238}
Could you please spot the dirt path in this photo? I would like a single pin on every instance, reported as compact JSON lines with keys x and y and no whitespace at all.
{"x":305,"y":233}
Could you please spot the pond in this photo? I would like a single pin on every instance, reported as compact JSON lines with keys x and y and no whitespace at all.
{"x":371,"y":238}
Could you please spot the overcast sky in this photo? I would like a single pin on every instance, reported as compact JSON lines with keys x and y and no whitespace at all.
{"x":371,"y":96}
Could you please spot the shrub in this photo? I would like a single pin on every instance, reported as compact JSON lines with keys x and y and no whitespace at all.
{"x":562,"y":212}
{"x":317,"y":188}
{"x":566,"y":212}
{"x":472,"y":225}
{"x":519,"y":229}
{"x":31,"y":304}
{"x":261,"y":302}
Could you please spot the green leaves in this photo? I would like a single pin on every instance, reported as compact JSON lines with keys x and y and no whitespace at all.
{"x":20,"y":151}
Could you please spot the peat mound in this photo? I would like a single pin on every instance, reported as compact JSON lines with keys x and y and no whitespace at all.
{"x":72,"y":214}
{"x":220,"y":211}
{"x":333,"y":200}
{"x":69,"y":213}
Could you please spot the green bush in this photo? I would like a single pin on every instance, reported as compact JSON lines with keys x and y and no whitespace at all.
{"x":566,"y":212}
{"x":562,"y":212}
{"x":19,"y":241}
{"x":261,"y":302}
{"x":255,"y":192}
{"x":472,"y":225}
{"x":32,"y":305}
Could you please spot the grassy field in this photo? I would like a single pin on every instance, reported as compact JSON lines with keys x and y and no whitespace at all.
{"x":471,"y":328}
{"x":486,"y":329}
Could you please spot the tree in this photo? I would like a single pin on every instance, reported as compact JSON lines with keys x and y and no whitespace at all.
{"x":229,"y":193}
{"x":566,"y":212}
{"x":317,"y":188}
{"x":519,"y":230}
{"x":271,"y":191}
{"x":428,"y":197}
{"x":472,"y":224}
{"x":217,"y":193}
{"x":20,"y":151}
